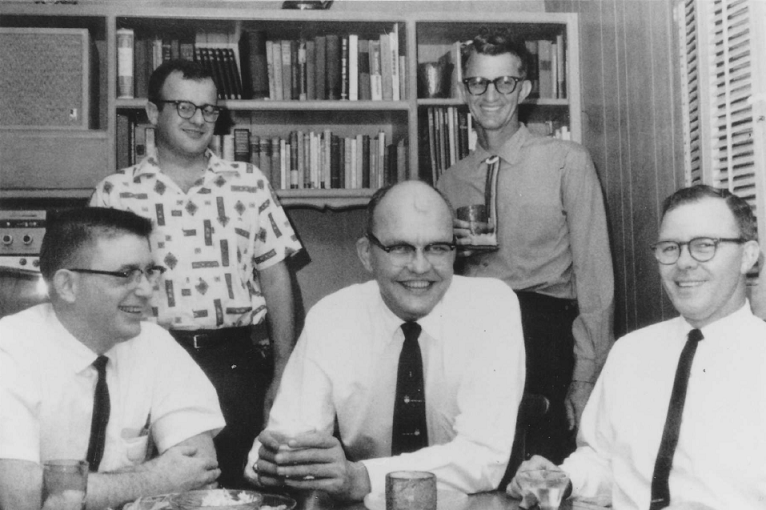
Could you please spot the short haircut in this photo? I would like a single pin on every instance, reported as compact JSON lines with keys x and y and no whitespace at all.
{"x":497,"y":41}
{"x":69,"y":232}
{"x":743,"y":213}
{"x":378,"y":196}
{"x":189,"y":70}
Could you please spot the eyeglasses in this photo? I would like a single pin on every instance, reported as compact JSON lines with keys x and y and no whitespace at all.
{"x":503,"y":84}
{"x":187,"y":109}
{"x":701,"y":249}
{"x":131,"y":277}
{"x":402,"y":253}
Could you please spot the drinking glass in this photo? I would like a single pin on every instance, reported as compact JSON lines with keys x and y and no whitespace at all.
{"x":548,"y":486}
{"x":65,"y":483}
{"x":410,"y":490}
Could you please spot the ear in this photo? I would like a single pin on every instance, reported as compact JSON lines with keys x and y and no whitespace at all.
{"x":65,"y":285}
{"x":364,"y":253}
{"x":750,"y":255}
{"x":152,"y":112}
{"x":526,"y":89}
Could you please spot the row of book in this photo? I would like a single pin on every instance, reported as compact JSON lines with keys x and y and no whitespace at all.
{"x":331,"y":66}
{"x":302,"y":159}
{"x":448,"y":137}
{"x":320,"y":160}
{"x":548,"y":68}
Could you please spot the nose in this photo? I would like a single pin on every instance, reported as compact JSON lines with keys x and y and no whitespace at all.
{"x":492,"y":91}
{"x":685,"y":258}
{"x":197,"y":118}
{"x":144,"y":286}
{"x":419,"y":263}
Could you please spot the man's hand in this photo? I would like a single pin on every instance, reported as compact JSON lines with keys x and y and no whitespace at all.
{"x":181,"y":469}
{"x":535,"y":463}
{"x":311,"y":461}
{"x":577,"y":397}
{"x":461,"y":229}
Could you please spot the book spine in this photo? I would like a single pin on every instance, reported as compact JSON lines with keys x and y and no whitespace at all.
{"x":344,"y":68}
{"x":266,"y":165}
{"x":140,"y":68}
{"x":241,"y":147}
{"x":125,"y":41}
{"x":255,"y":150}
{"x":386,"y":67}
{"x":303,"y":81}
{"x":311,"y":56}
{"x":393,"y":39}
{"x":270,"y":68}
{"x":278,"y":87}
{"x":545,"y":72}
{"x":123,"y":141}
{"x":252,"y":51}
{"x":277,"y":176}
{"x":321,"y":66}
{"x":353,"y":67}
{"x":561,"y":89}
{"x":295,"y":80}
{"x":333,"y":67}
{"x":287,"y":79}
{"x":532,"y":72}
{"x":295,"y":181}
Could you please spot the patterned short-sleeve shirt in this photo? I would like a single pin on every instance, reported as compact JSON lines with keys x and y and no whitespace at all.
{"x":213,"y":239}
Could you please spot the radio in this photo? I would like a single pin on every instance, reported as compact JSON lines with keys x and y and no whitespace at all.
{"x":21,"y":234}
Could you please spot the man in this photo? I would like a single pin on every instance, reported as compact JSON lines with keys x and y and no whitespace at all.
{"x":100,"y":275}
{"x":552,"y":236}
{"x":348,"y":365}
{"x":224,"y":238}
{"x":707,"y":245}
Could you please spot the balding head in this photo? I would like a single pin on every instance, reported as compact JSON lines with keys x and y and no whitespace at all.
{"x":408,"y":247}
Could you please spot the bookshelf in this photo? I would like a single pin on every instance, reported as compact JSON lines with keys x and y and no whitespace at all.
{"x":73,"y":162}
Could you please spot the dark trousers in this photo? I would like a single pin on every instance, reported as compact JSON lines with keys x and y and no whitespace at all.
{"x":549,"y":343}
{"x":240,"y":373}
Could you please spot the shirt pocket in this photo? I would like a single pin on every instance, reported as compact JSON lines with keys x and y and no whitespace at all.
{"x":135,"y":446}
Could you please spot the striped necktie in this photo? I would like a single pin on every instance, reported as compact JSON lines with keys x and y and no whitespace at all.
{"x":410,"y":430}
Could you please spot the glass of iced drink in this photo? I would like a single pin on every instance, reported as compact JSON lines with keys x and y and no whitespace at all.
{"x":65,"y":483}
{"x":547,"y":486}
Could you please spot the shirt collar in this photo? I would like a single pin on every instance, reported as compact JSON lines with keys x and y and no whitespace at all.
{"x":510,"y":152}
{"x":391,"y":324}
{"x":73,"y":354}
{"x":150,"y":164}
{"x":722,"y":328}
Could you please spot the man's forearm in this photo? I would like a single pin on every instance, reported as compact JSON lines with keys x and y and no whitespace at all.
{"x":276,"y":285}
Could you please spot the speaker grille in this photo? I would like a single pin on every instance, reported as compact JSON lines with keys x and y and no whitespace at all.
{"x":44,"y":78}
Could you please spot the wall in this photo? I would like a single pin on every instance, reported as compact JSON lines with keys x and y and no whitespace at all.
{"x":632,"y":126}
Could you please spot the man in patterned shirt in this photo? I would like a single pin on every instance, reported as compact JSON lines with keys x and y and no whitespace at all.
{"x":222,"y":234}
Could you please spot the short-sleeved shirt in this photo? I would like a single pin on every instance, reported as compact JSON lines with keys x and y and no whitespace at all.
{"x":47,"y":383}
{"x":213,"y":239}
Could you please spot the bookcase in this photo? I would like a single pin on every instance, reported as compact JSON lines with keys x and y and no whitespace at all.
{"x":67,"y":164}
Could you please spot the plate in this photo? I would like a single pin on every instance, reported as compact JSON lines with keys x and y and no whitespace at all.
{"x":192,"y":500}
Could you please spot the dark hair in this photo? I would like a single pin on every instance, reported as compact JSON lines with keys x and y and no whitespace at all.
{"x":69,"y":232}
{"x":743,"y":214}
{"x":378,"y":196}
{"x":497,"y":41}
{"x":189,"y":69}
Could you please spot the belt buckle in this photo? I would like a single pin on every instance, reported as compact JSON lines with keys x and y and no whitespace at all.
{"x":196,"y":337}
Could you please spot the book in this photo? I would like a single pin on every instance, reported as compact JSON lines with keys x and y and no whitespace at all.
{"x":321,"y":66}
{"x":156,"y":52}
{"x":255,"y":149}
{"x":386,"y":68}
{"x":140,"y":68}
{"x":186,"y":48}
{"x":175,"y":49}
{"x":255,"y":75}
{"x":167,"y":51}
{"x":532,"y":71}
{"x":266,"y":163}
{"x":277,"y":176}
{"x":122,"y":140}
{"x":335,"y":181}
{"x":344,"y":67}
{"x":366,"y":161}
{"x":311,"y":90}
{"x":287,"y":79}
{"x":393,"y":39}
{"x":353,"y":67}
{"x":376,"y":81}
{"x":295,"y":80}
{"x":561,"y":80}
{"x":125,"y":41}
{"x":227,"y":147}
{"x":303,"y":81}
{"x":293,"y":159}
{"x":457,"y":68}
{"x":277,"y":58}
{"x":545,"y":72}
{"x":363,"y":60}
{"x":232,"y":68}
{"x":270,"y":68}
{"x":401,"y":160}
{"x":333,"y":67}
{"x":241,"y":146}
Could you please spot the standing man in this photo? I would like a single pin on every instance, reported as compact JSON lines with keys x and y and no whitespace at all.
{"x":421,"y":370}
{"x":222,"y":234}
{"x":84,"y":377}
{"x":552,"y":236}
{"x":678,"y":415}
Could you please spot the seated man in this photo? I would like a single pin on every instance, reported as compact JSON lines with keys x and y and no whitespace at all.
{"x":677,"y":415}
{"x":369,"y":351}
{"x":82,"y":377}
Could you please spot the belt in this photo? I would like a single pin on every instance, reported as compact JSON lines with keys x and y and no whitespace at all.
{"x":213,"y":338}
{"x":547,"y":304}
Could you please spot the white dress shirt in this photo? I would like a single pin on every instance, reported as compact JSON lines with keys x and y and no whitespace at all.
{"x":345,"y":364}
{"x":720,"y":460}
{"x":47,"y":383}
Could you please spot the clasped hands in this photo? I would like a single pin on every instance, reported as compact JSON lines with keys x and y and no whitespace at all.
{"x":308,"y":461}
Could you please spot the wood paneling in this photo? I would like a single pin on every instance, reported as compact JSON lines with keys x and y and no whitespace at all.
{"x":632,"y":126}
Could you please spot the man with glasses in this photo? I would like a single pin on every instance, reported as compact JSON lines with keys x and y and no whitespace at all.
{"x":362,"y":347}
{"x":677,"y":415}
{"x":225,"y":239}
{"x":552,"y":236}
{"x":84,"y":377}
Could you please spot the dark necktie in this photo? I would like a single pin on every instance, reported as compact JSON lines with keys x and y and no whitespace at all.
{"x":410,"y":430}
{"x":660,"y":487}
{"x":101,"y":408}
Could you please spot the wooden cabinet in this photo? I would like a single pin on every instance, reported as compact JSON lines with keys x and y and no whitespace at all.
{"x":67,"y":164}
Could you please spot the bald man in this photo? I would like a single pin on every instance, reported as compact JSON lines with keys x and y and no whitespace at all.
{"x":347,"y":360}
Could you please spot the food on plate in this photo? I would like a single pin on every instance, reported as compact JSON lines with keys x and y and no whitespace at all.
{"x":226,"y":498}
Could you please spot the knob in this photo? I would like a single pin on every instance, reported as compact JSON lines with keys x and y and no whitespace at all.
{"x":22,"y":262}
{"x":36,"y":262}
{"x":7,"y":239}
{"x":27,"y":239}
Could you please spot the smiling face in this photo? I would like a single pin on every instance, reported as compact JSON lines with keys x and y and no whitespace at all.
{"x":108,"y":308}
{"x":187,"y":138}
{"x":415,"y":214}
{"x":704,"y":292}
{"x":497,"y":114}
